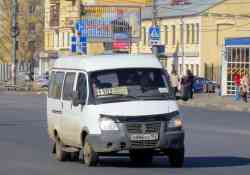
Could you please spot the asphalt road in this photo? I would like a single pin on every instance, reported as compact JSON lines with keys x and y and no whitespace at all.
{"x":216,"y":143}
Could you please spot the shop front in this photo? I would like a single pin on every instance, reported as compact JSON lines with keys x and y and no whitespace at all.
{"x":236,"y":58}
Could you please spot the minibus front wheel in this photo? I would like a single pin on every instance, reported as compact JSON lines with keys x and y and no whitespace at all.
{"x":89,"y":155}
{"x":176,"y":157}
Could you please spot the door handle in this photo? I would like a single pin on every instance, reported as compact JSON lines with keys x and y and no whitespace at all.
{"x":56,"y":111}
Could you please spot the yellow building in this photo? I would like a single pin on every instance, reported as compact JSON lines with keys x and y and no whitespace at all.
{"x":60,"y":21}
{"x":195,"y":31}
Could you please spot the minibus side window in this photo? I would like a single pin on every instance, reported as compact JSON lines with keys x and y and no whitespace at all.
{"x":51,"y":83}
{"x":81,"y":87}
{"x":68,"y":86}
{"x":56,"y":83}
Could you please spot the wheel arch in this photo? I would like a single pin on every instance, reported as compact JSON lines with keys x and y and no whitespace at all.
{"x":84,"y":134}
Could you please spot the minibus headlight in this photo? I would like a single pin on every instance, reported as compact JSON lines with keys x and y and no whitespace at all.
{"x":175,"y":122}
{"x":107,"y":124}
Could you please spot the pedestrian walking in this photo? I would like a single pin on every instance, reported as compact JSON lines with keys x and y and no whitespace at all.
{"x":236,"y":79}
{"x":187,"y":85}
{"x":174,"y":81}
{"x":244,"y":87}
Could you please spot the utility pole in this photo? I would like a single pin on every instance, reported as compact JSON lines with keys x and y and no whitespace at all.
{"x":14,"y":33}
{"x":154,"y":21}
{"x":182,"y":46}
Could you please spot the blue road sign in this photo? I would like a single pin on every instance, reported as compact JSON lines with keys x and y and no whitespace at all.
{"x":73,"y":47}
{"x":83,"y":44}
{"x":154,"y":34}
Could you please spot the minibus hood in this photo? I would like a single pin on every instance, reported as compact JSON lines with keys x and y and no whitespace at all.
{"x":137,"y":108}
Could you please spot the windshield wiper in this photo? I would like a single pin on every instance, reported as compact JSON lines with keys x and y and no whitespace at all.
{"x":155,"y":96}
{"x":123,"y":95}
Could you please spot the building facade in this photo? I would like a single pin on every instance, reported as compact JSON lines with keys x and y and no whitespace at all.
{"x":194,"y":32}
{"x":60,"y":25}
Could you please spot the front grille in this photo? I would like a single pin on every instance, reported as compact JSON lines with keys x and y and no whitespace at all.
{"x":143,"y":128}
{"x":144,"y":143}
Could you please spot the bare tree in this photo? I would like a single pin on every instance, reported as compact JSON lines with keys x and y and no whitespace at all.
{"x":5,"y":31}
{"x":31,"y":25}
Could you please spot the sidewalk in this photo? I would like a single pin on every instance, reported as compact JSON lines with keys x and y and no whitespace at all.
{"x":215,"y":102}
{"x":22,"y":90}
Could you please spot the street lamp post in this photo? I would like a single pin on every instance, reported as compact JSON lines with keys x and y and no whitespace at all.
{"x":182,"y":47}
{"x":14,"y":33}
{"x":154,"y":20}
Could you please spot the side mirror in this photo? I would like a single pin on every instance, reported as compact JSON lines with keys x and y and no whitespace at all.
{"x":76,"y":101}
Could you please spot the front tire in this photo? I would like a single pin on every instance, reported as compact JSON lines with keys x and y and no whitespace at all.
{"x":140,"y":156}
{"x":60,"y":154}
{"x":89,"y":155}
{"x":176,"y":158}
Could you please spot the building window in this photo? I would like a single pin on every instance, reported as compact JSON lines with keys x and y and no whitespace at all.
{"x":181,"y":34}
{"x":180,"y":67}
{"x":144,"y":35}
{"x":48,"y":39}
{"x":173,"y":35}
{"x":63,"y":38}
{"x":166,"y":34}
{"x":68,"y":39}
{"x":53,"y":40}
{"x":54,"y":15}
{"x":32,"y":27}
{"x":193,"y":33}
{"x":32,"y":9}
{"x":192,"y":68}
{"x":188,"y":34}
{"x":197,"y":69}
{"x":197,"y":33}
{"x":57,"y":40}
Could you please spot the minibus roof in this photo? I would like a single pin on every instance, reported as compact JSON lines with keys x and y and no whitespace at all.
{"x":107,"y":62}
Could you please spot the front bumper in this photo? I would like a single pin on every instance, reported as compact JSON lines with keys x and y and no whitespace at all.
{"x":120,"y":141}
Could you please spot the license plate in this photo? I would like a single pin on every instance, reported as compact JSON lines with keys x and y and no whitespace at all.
{"x":142,"y":137}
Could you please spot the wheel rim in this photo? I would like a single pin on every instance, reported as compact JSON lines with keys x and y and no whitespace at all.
{"x":87,"y":153}
{"x":58,"y":150}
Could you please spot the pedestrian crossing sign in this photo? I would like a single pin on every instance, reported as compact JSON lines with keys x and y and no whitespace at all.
{"x":154,"y":33}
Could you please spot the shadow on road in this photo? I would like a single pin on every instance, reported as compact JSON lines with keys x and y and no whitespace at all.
{"x":206,"y":162}
{"x":190,"y":162}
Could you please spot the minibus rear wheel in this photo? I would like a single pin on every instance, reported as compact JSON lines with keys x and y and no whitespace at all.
{"x":60,"y":154}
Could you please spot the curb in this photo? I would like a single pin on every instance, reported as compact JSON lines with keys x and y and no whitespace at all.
{"x":215,"y":107}
{"x":24,"y":92}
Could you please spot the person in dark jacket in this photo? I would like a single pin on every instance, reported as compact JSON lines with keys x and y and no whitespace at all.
{"x":187,"y":85}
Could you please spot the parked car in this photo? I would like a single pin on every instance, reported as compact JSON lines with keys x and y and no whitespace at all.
{"x":203,"y":85}
{"x":42,"y":81}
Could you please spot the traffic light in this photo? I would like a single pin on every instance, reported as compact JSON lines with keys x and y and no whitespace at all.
{"x":82,"y":10}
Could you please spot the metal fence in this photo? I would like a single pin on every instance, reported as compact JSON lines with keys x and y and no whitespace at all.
{"x":5,"y":70}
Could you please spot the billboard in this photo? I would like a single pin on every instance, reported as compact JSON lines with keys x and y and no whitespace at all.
{"x":100,"y":23}
{"x":122,"y":2}
{"x":121,"y":42}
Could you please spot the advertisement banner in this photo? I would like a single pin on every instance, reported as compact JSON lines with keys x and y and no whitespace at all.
{"x":100,"y":23}
{"x":123,"y":2}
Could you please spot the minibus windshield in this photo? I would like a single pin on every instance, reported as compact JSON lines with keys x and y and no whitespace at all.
{"x":130,"y":84}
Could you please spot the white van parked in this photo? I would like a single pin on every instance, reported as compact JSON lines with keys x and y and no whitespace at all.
{"x":109,"y":104}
